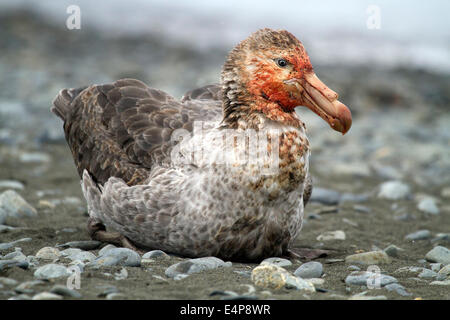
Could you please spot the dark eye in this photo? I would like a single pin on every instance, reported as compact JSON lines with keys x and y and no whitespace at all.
{"x":281,"y":62}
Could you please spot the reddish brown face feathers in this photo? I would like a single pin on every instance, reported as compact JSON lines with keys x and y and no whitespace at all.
{"x":276,"y":71}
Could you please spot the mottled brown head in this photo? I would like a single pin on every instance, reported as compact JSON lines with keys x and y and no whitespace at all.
{"x":270,"y":72}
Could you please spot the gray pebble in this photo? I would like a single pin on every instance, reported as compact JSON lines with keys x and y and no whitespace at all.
{"x":83,"y":256}
{"x":436,"y":266}
{"x":352,"y":197}
{"x":83,"y":245}
{"x":398,"y":288}
{"x":47,"y":296}
{"x":51,"y":271}
{"x":155,"y":254}
{"x":325,"y":196}
{"x":27,"y":287}
{"x":65,"y":292}
{"x":106,"y":248}
{"x":277,"y":261}
{"x":439,"y":254}
{"x":11,"y":184}
{"x":16,"y":255}
{"x":419,"y":235}
{"x":191,"y":266}
{"x":427,"y":274}
{"x":117,"y":257}
{"x":363,"y":278}
{"x":70,"y":251}
{"x":444,"y":237}
{"x":13,"y":205}
{"x":20,"y":297}
{"x":428,"y":205}
{"x":394,"y":190}
{"x":353,"y":268}
{"x":6,"y":264}
{"x":8,"y":281}
{"x":309,"y":270}
{"x":180,"y":276}
{"x":107,"y":290}
{"x":4,"y":229}
{"x":393,"y":250}
{"x":8,"y":245}
{"x":362,"y":209}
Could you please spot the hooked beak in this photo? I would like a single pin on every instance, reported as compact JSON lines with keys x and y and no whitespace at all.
{"x":316,"y":96}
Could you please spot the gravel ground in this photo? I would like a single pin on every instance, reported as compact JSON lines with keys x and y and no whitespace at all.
{"x":381,"y":202}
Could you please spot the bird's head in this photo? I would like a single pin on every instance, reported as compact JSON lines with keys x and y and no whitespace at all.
{"x":271,"y":72}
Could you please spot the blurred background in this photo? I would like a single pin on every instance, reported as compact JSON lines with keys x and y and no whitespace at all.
{"x":393,"y":72}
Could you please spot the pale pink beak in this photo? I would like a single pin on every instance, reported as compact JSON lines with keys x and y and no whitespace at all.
{"x":316,"y":96}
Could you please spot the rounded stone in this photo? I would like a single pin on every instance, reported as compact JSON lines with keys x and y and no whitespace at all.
{"x":309,"y":270}
{"x":368,"y":258}
{"x":48,"y":253}
{"x":51,"y":271}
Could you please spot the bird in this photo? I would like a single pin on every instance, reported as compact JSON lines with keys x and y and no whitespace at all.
{"x":223,"y":171}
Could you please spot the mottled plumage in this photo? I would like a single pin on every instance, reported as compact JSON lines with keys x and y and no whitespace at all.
{"x":148,"y":174}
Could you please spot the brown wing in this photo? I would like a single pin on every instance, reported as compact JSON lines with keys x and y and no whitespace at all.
{"x":209,"y":92}
{"x":124,"y":128}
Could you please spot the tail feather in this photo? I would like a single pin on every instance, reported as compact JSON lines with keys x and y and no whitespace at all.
{"x":62,"y":102}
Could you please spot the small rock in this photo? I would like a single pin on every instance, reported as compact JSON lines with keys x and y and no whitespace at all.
{"x":309,"y":270}
{"x":13,"y":205}
{"x":16,"y":255}
{"x":4,"y":229}
{"x":444,"y":237}
{"x":393,"y":250}
{"x":362,"y":209}
{"x":441,"y":283}
{"x":30,"y":157}
{"x":47,"y":296}
{"x":115,"y":296}
{"x":8,"y":245}
{"x":439,"y":254}
{"x":436,"y":266}
{"x":360,"y":296}
{"x":117,"y":257}
{"x":351,"y":197}
{"x":427,"y":274}
{"x":51,"y":271}
{"x":48,"y":253}
{"x":277,"y":262}
{"x":325,"y":196}
{"x":11,"y":184}
{"x":7,"y":264}
{"x":398,"y":288}
{"x":83,"y":245}
{"x":445,"y":270}
{"x":69,"y":252}
{"x":353,"y":268}
{"x":317,"y":281}
{"x":8,"y":281}
{"x":65,"y":292}
{"x":83,"y":256}
{"x":123,"y":274}
{"x":180,"y":276}
{"x":445,"y":192}
{"x":372,"y":257}
{"x":106,"y":248}
{"x":419,"y":235}
{"x":108,"y":289}
{"x":410,"y":270}
{"x":428,"y":205}
{"x":366,"y":278}
{"x":155,"y":254}
{"x":27,"y":286}
{"x":332,"y":235}
{"x":274,"y":277}
{"x":394,"y":190}
{"x":191,"y":266}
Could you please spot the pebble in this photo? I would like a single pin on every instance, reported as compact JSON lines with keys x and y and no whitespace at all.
{"x":393,"y":250}
{"x":441,"y":283}
{"x":436,"y":266}
{"x":394,"y":190}
{"x":16,"y":255}
{"x":121,"y":275}
{"x":51,"y":271}
{"x":117,"y":257}
{"x":83,"y":245}
{"x":445,"y":270}
{"x":362,"y":209}
{"x":13,"y":205}
{"x":30,"y":157}
{"x":83,"y":256}
{"x":368,"y":258}
{"x":48,"y":253}
{"x":4,"y":229}
{"x":309,"y":270}
{"x":27,"y":286}
{"x":352,"y":197}
{"x":362,"y":296}
{"x":107,"y":289}
{"x":6,"y":264}
{"x":65,"y":292}
{"x":353,"y":268}
{"x":8,"y":281}
{"x":398,"y":288}
{"x":106,"y":248}
{"x":115,"y":296}
{"x":277,"y":262}
{"x":428,"y":205}
{"x":191,"y":266}
{"x":11,"y":184}
{"x":325,"y":196}
{"x":69,"y":252}
{"x":47,"y":296}
{"x":419,"y":235}
{"x":332,"y":235}
{"x":274,"y":277}
{"x":441,"y":237}
{"x":445,"y":192}
{"x":364,"y":278}
{"x":410,"y":270}
{"x":20,"y":297}
{"x":439,"y":254}
{"x":427,"y":274}
{"x":155,"y":254}
{"x":8,"y":245}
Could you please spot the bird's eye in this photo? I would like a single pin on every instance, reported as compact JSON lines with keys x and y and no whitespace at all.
{"x":281,"y":62}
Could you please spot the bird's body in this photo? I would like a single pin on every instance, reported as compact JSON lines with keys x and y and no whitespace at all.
{"x":223,"y":172}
